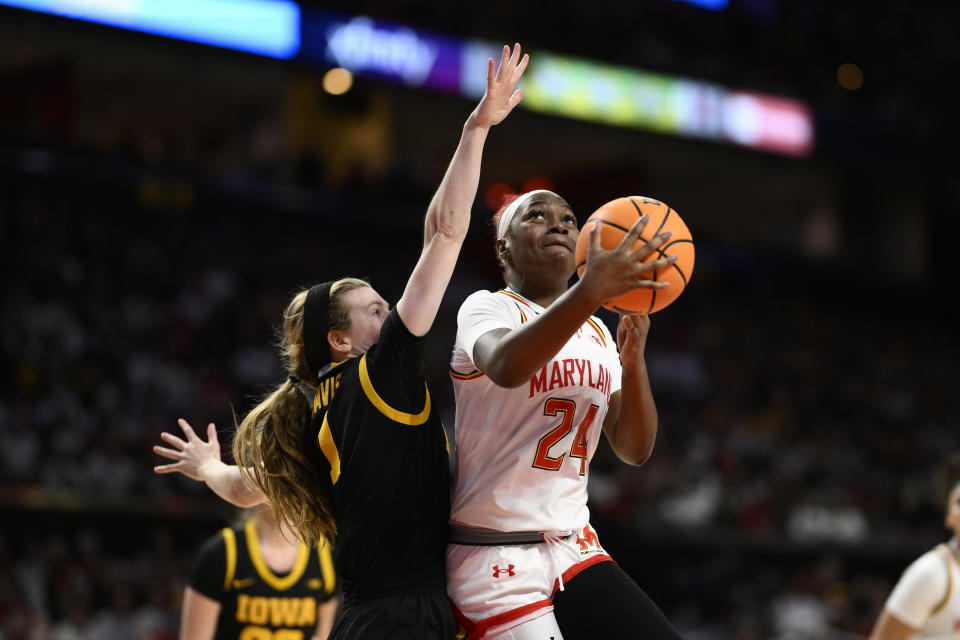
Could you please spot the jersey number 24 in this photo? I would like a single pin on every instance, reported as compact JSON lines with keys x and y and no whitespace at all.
{"x":552,"y":407}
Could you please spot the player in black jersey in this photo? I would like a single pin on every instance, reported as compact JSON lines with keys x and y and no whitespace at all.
{"x":349,"y":446}
{"x":253,"y":581}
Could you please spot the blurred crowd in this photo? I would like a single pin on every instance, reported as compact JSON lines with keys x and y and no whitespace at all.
{"x":795,"y":412}
{"x":149,"y":242}
{"x":101,"y":581}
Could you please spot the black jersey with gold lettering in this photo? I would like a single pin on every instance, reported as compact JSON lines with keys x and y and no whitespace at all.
{"x":254,"y":601}
{"x":377,"y":440}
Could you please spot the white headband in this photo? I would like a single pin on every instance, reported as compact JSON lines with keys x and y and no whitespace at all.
{"x":507,"y":216}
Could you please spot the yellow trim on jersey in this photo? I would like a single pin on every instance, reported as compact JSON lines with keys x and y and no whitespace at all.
{"x":446,"y":441}
{"x":514,"y":296}
{"x":329,"y":449}
{"x":476,"y":373}
{"x":278,"y":583}
{"x":598,"y":329}
{"x":230,"y":542}
{"x":397,"y":416}
{"x":945,"y":553}
{"x":326,"y":567}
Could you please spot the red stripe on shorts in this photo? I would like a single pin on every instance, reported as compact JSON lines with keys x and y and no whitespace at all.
{"x":577,"y":568}
{"x":476,"y":630}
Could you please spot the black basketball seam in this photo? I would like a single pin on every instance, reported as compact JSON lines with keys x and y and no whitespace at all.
{"x":673,"y":242}
{"x":663,"y":222}
{"x":683,"y":277}
{"x":612,"y":224}
{"x":674,"y":265}
{"x":653,"y":298}
{"x":616,"y":226}
{"x":667,"y":246}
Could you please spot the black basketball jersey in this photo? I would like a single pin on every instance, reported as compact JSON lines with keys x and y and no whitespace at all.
{"x":377,"y":440}
{"x":254,"y":601}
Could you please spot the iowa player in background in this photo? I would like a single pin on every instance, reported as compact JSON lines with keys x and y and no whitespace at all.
{"x":925,"y":604}
{"x":348,"y":447}
{"x":256,"y":582}
{"x":253,"y":581}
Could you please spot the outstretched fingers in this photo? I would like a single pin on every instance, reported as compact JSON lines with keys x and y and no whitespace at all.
{"x":595,"y":245}
{"x":502,"y":95}
{"x":524,"y":61}
{"x":187,"y":430}
{"x":504,"y":61}
{"x":173,"y":454}
{"x":645,"y":267}
{"x":653,"y":284}
{"x":517,"y":64}
{"x":652,"y":245}
{"x":171,"y":439}
{"x":510,"y":69}
{"x":633,"y":234}
{"x":659,"y":263}
{"x":168,"y":468}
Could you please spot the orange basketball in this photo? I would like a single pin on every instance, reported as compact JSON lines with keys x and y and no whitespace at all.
{"x":617,"y":216}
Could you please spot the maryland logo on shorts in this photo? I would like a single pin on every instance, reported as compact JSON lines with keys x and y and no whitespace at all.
{"x":587,"y":541}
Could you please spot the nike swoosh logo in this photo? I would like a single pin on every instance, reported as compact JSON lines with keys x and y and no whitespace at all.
{"x":245,"y":582}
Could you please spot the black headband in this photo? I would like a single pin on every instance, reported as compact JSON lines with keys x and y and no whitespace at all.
{"x":316,"y":325}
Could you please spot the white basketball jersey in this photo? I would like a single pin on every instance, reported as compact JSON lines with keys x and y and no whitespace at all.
{"x":927,"y":597}
{"x":523,"y":454}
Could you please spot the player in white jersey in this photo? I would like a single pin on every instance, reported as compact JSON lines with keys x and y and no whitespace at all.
{"x":925,"y":604}
{"x":536,"y":378}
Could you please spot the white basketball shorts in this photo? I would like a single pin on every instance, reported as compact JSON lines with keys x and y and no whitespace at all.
{"x":493,"y":588}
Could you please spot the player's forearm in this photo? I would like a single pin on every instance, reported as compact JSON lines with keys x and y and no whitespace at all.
{"x":635,"y":430}
{"x":889,"y":627}
{"x":448,"y":219}
{"x":449,"y":211}
{"x":226,"y":481}
{"x":326,"y":612}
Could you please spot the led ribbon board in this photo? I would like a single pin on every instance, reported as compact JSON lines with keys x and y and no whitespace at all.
{"x":384,"y":50}
{"x":625,"y":97}
{"x":555,"y":84}
{"x":265,"y":27}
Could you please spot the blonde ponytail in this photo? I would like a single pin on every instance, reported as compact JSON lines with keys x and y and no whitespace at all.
{"x":268,"y":448}
{"x":269,"y":442}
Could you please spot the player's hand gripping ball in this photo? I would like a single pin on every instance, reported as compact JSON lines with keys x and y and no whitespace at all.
{"x":616,"y":218}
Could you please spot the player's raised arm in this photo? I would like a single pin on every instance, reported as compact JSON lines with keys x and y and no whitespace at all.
{"x":448,"y":216}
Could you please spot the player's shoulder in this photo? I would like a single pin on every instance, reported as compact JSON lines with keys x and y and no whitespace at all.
{"x":930,"y":564}
{"x":484,"y":299}
{"x":478,"y":296}
{"x":218,"y":544}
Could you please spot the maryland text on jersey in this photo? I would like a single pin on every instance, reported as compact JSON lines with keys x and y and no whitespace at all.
{"x":571,"y":372}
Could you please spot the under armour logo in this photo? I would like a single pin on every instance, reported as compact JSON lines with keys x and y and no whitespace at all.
{"x":509,"y":571}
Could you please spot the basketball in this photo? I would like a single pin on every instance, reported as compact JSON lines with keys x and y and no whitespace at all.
{"x":616,"y":218}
